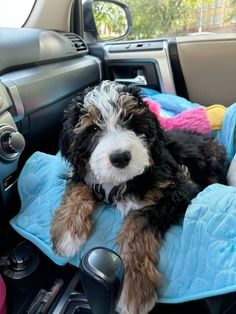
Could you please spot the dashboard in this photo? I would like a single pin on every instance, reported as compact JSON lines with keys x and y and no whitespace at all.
{"x":40,"y":70}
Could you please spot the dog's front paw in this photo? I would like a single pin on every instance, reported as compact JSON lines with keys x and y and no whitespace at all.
{"x":67,"y":244}
{"x":68,"y":233}
{"x":137,"y":304}
{"x":139,"y":293}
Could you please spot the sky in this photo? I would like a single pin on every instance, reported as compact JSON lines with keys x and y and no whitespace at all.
{"x":13,"y":13}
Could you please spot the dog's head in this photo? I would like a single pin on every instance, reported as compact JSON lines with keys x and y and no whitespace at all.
{"x":110,"y":130}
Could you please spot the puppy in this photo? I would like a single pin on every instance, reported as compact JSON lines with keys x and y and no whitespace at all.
{"x":121,"y":155}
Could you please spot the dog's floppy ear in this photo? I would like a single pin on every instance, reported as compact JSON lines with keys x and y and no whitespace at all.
{"x":144,"y":121}
{"x":156,"y":134}
{"x":72,"y":115}
{"x":133,"y":90}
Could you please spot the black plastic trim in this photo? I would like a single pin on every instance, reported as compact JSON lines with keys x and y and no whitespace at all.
{"x":77,"y":21}
{"x":149,"y":66}
{"x":131,"y":47}
{"x":178,"y":76}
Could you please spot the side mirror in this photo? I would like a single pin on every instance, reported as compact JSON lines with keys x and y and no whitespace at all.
{"x":106,"y":19}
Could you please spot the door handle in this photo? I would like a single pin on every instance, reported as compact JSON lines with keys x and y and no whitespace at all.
{"x":140,"y":79}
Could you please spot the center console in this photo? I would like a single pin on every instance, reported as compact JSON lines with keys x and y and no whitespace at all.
{"x":101,"y":276}
{"x":38,"y":286}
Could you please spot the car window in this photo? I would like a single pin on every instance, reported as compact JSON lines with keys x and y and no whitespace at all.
{"x":152,"y":18}
{"x":13,"y":13}
{"x":156,"y":18}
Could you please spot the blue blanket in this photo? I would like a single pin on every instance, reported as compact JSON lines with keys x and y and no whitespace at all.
{"x":197,"y":259}
{"x":170,"y":104}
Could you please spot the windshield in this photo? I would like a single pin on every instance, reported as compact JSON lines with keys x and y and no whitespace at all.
{"x":14,"y":13}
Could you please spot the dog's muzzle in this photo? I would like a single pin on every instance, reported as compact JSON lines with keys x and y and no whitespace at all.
{"x":119,"y":156}
{"x":120,"y":159}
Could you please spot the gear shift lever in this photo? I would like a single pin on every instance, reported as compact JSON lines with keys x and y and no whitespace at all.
{"x":102,"y":275}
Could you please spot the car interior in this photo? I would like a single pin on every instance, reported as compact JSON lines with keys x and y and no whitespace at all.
{"x":43,"y":65}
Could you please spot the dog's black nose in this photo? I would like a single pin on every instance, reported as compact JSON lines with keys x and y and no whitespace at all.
{"x":120,"y":159}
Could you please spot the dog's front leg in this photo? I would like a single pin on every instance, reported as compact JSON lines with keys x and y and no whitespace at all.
{"x":71,"y":222}
{"x":139,"y":253}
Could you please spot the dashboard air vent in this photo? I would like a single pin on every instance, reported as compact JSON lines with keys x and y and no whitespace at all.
{"x":78,"y":44}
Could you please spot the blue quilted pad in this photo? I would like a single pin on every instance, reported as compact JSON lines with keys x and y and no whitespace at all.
{"x":197,"y":259}
{"x":170,"y":104}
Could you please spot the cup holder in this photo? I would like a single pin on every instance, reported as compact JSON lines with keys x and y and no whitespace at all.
{"x":21,"y":262}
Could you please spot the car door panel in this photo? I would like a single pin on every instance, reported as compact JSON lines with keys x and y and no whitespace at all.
{"x":152,"y":57}
{"x":209,"y":67}
{"x":201,"y":69}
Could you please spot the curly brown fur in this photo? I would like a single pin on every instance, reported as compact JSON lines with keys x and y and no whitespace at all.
{"x":138,"y":249}
{"x":71,"y":222}
{"x":110,"y":132}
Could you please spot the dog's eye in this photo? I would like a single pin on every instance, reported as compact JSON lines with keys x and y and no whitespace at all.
{"x":94,"y":127}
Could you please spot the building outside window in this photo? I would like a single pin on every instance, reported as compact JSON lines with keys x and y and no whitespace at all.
{"x":218,"y":3}
{"x":211,"y":20}
{"x":217,"y":19}
{"x":213,"y":4}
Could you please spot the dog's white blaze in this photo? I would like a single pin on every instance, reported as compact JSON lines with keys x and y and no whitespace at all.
{"x":104,"y":97}
{"x":123,"y":140}
{"x":128,"y":204}
{"x":69,"y":245}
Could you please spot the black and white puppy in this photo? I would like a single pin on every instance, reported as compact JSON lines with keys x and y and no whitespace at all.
{"x":120,"y":154}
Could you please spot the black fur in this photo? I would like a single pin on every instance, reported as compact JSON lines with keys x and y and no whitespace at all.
{"x":204,"y":157}
{"x":80,"y":152}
